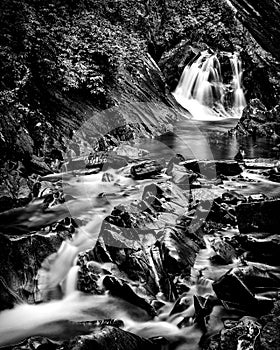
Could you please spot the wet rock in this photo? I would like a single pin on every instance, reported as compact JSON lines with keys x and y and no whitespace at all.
{"x":258,"y":197}
{"x":274,"y":177}
{"x":240,"y":335}
{"x":109,"y":338}
{"x":179,"y":250}
{"x":222,"y":213}
{"x":233,"y":198}
{"x":115,"y":162}
{"x":176,"y":160}
{"x":153,"y":197}
{"x":257,"y":120}
{"x":147,"y":169}
{"x":121,"y":289}
{"x":128,"y":151}
{"x":137,"y":268}
{"x":173,"y":255}
{"x":238,"y":287}
{"x":74,"y":164}
{"x":95,"y":160}
{"x":261,"y":19}
{"x":37,"y":165}
{"x":260,"y":163}
{"x":258,"y":216}
{"x":20,"y":260}
{"x":224,"y":252}
{"x":239,"y":155}
{"x":263,"y":249}
{"x":210,"y":168}
{"x":6,"y":202}
{"x":270,"y":333}
{"x":182,"y":177}
{"x":182,"y":54}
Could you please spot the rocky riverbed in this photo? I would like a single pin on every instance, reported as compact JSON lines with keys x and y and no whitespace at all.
{"x":165,"y":254}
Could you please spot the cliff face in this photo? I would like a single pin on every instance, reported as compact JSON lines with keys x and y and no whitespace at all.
{"x":261,"y":117}
{"x":261,"y":18}
{"x":63,"y":62}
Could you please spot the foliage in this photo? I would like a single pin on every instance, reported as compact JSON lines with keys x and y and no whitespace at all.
{"x":86,"y":47}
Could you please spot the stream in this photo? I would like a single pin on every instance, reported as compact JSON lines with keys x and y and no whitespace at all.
{"x":192,"y":139}
{"x":208,"y":140}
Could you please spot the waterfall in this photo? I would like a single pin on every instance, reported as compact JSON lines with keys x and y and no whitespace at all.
{"x":239,"y":101}
{"x":203,"y":93}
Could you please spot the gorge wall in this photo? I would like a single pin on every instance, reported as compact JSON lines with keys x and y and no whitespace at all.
{"x":64,"y":61}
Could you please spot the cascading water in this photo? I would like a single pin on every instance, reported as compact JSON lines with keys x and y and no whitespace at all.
{"x":239,"y":101}
{"x":202,"y":92}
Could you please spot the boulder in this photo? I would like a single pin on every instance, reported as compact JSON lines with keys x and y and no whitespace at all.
{"x":238,"y":287}
{"x":121,"y":289}
{"x":37,"y":165}
{"x":211,"y":168}
{"x":270,"y":333}
{"x":260,"y":163}
{"x":259,"y":216}
{"x":182,"y":177}
{"x":128,"y":151}
{"x":109,"y":338}
{"x":263,"y":249}
{"x":147,"y":169}
{"x":240,"y":335}
{"x":224,"y":252}
{"x":20,"y":260}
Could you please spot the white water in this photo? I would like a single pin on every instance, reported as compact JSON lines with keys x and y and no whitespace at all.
{"x":202,"y":92}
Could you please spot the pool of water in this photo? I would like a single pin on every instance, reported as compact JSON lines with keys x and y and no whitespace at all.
{"x":207,"y":140}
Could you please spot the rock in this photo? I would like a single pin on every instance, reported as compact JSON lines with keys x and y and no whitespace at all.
{"x":210,"y":168}
{"x":174,"y":61}
{"x":257,"y":120}
{"x":96,"y":160}
{"x":37,"y":165}
{"x":147,"y":169}
{"x":240,"y":335}
{"x":221,"y":213}
{"x":233,"y":198}
{"x":115,"y":162}
{"x":174,"y":160}
{"x":74,"y":164}
{"x":274,"y":177}
{"x":258,"y":197}
{"x":121,"y":289}
{"x":224,"y":252}
{"x":109,"y":338}
{"x":259,"y":216}
{"x":6,"y":202}
{"x":239,"y":155}
{"x":182,"y":177}
{"x":264,"y":250}
{"x":270,"y":333}
{"x":237,"y":288}
{"x":125,"y":150}
{"x":262,"y":20}
{"x":260,"y":163}
{"x":19,"y":261}
{"x":19,"y":221}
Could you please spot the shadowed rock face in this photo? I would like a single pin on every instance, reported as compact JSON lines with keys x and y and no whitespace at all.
{"x":20,"y":259}
{"x":261,"y":18}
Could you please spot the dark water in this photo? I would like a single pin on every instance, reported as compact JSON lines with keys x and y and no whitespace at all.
{"x":208,"y":140}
